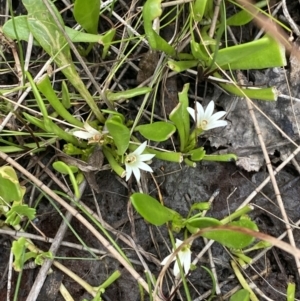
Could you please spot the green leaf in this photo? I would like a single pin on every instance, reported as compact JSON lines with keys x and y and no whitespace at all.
{"x":194,"y":224}
{"x":115,"y":113}
{"x":198,"y":8}
{"x":197,"y":154}
{"x":233,"y":239}
{"x":120,"y":134}
{"x":203,"y":222}
{"x":63,"y":168}
{"x":179,"y":66}
{"x":152,"y":10}
{"x":199,"y":52}
{"x":201,"y":206}
{"x":106,"y":40}
{"x":243,"y":17}
{"x":40,"y":258}
{"x":45,"y":87}
{"x":180,"y":117}
{"x":269,"y":94}
{"x":35,"y":121}
{"x":50,"y":126}
{"x":18,"y":249}
{"x":75,"y":35}
{"x":241,"y":295}
{"x":263,"y":53}
{"x":217,"y":158}
{"x":112,"y":162}
{"x":214,"y":284}
{"x":157,"y":131}
{"x":17,"y":212}
{"x":45,"y":30}
{"x":165,"y":155}
{"x":86,"y":13}
{"x":10,"y":188}
{"x":115,"y":96}
{"x":251,"y":92}
{"x":151,"y":210}
{"x":290,"y":292}
{"x":65,"y":95}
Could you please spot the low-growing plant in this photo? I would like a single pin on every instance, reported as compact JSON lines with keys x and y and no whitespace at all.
{"x":127,"y":144}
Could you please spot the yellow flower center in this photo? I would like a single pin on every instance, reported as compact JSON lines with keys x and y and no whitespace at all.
{"x":130,"y":159}
{"x":98,"y":138}
{"x":203,"y":124}
{"x":185,"y":248}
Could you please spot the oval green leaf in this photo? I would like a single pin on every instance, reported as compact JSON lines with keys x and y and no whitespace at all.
{"x":63,"y":168}
{"x":198,"y":8}
{"x":194,"y":224}
{"x":10,"y":189}
{"x":204,"y":222}
{"x":233,"y":239}
{"x":197,"y":154}
{"x":120,"y":134}
{"x":151,"y":210}
{"x":241,"y":295}
{"x":86,"y":13}
{"x":157,"y":131}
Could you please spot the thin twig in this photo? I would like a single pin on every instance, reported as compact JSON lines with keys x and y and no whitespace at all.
{"x":23,"y":96}
{"x":76,"y":53}
{"x":41,"y":277}
{"x":9,"y":275}
{"x":273,"y":180}
{"x":80,"y":218}
{"x":289,"y":18}
{"x":215,"y":18}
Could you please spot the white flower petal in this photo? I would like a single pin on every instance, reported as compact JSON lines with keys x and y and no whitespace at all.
{"x":178,"y":243}
{"x":135,"y":161}
{"x":145,"y":167}
{"x":140,"y":149}
{"x":206,"y":120}
{"x":200,"y":110}
{"x":90,"y":129}
{"x":217,"y":115}
{"x":137,"y":174}
{"x":146,"y":157}
{"x":209,"y":109}
{"x":176,"y":270}
{"x":184,"y":256}
{"x":128,"y":172}
{"x":216,"y":124}
{"x":82,"y":135}
{"x":166,"y":259}
{"x":186,"y":260}
{"x":192,"y":113}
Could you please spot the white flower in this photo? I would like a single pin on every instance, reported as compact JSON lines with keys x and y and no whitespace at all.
{"x":135,"y":161}
{"x":184,"y":256}
{"x":89,"y":133}
{"x":206,"y":120}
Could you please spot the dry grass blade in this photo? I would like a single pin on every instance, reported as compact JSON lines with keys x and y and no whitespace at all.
{"x":264,"y":237}
{"x":274,"y":183}
{"x":39,"y":280}
{"x":78,"y":216}
{"x":270,"y":27}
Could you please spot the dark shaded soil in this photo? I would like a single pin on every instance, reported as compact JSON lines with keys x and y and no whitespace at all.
{"x":180,"y":188}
